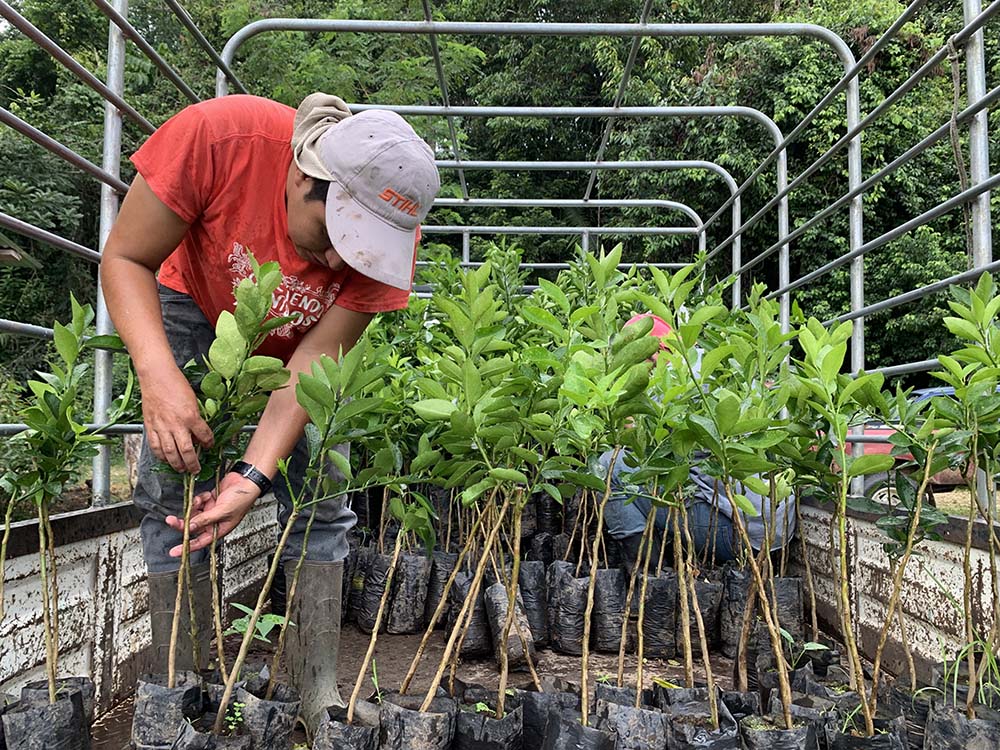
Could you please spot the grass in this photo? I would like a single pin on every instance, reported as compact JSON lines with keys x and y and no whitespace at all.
{"x":954,"y":503}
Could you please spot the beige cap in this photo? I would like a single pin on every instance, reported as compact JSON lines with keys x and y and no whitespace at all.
{"x":384,"y":181}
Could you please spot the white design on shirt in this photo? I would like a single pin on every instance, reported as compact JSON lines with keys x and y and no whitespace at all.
{"x":293,"y":297}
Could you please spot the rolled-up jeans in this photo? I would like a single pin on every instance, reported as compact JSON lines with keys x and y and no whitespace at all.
{"x":161,"y":493}
{"x":711,"y":530}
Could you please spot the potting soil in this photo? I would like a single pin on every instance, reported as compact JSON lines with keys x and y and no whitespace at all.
{"x":483,"y":731}
{"x":534,"y":592}
{"x":496,"y":613}
{"x":477,"y":636}
{"x":632,"y":728}
{"x":443,"y":563}
{"x":948,"y":727}
{"x":376,"y":575}
{"x":409,"y":594}
{"x":769,"y":733}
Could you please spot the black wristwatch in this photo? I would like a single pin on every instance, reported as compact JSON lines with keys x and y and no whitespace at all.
{"x":255,"y":475}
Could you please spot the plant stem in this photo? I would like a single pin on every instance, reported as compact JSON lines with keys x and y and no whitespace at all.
{"x":576,"y":524}
{"x":442,"y":604}
{"x":192,"y":621}
{"x":50,"y":657}
{"x":901,"y":618}
{"x":469,"y":602}
{"x":352,"y":703}
{"x":682,"y":591}
{"x":511,"y":604}
{"x":645,"y":555}
{"x":643,"y":544}
{"x":289,"y":601}
{"x":810,"y":586}
{"x":897,"y":579}
{"x":527,"y":654}
{"x":178,"y":602}
{"x":592,"y":584}
{"x":447,"y":537}
{"x":847,"y":624}
{"x":213,"y":572}
{"x":584,"y":511}
{"x":713,"y":701}
{"x":3,"y":551}
{"x":53,"y":570}
{"x":970,"y":635}
{"x":749,"y":617}
{"x":663,"y":552}
{"x":234,"y":675}
{"x":383,"y":520}
{"x":784,"y":539}
{"x":765,"y":605}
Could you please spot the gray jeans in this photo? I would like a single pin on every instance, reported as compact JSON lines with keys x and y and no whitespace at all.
{"x":160,"y":493}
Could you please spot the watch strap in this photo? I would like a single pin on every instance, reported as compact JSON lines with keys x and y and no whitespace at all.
{"x":255,"y":475}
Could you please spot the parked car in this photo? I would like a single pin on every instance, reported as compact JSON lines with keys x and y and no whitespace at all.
{"x":881,"y":487}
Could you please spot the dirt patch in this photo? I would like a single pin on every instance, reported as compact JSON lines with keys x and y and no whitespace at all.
{"x":392,"y":659}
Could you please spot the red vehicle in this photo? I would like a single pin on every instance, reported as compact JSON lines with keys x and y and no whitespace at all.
{"x":879,"y":487}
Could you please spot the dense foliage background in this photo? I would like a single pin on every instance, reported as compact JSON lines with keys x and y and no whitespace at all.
{"x":783,"y":77}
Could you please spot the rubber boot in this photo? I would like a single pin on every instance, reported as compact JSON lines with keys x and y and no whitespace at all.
{"x":314,"y":637}
{"x":162,"y":595}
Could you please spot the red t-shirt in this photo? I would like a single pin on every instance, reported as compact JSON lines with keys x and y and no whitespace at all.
{"x":221,"y":165}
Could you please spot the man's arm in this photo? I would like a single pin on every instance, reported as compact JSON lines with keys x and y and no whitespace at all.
{"x":281,"y":426}
{"x":145,"y":233}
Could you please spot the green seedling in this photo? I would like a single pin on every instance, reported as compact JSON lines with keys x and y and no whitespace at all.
{"x":378,"y":691}
{"x":234,"y":717}
{"x":263,"y":627}
{"x":53,"y":446}
{"x":807,"y":647}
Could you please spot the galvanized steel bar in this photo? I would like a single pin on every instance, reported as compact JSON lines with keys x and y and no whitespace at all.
{"x":942,"y":208}
{"x":737,"y":205}
{"x":64,"y":152}
{"x":619,"y":96}
{"x":31,"y":31}
{"x":851,"y":70}
{"x":42,"y":235}
{"x":111,"y":161}
{"x":636,"y":30}
{"x":530,"y":29}
{"x":992,"y":97}
{"x":25,"y":329}
{"x":222,"y":67}
{"x":914,"y":294}
{"x":131,"y":33}
{"x":645,"y":231}
{"x":979,"y":147}
{"x":571,"y":203}
{"x":907,"y":368}
{"x":932,"y":64}
{"x":14,"y":428}
{"x":563,"y":266}
{"x":466,"y":247}
{"x":442,"y":83}
{"x":748,"y":112}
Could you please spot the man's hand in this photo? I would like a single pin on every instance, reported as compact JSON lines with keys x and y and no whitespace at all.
{"x":236,"y":496}
{"x":173,"y":422}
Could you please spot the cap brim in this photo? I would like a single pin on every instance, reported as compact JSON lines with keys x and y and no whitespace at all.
{"x":366,"y":242}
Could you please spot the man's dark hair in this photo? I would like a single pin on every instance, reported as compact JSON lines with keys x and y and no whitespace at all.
{"x":318,"y":190}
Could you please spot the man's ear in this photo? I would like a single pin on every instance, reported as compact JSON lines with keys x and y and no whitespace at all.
{"x":299,"y":178}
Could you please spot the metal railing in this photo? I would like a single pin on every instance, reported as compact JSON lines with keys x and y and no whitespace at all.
{"x":970,"y":122}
